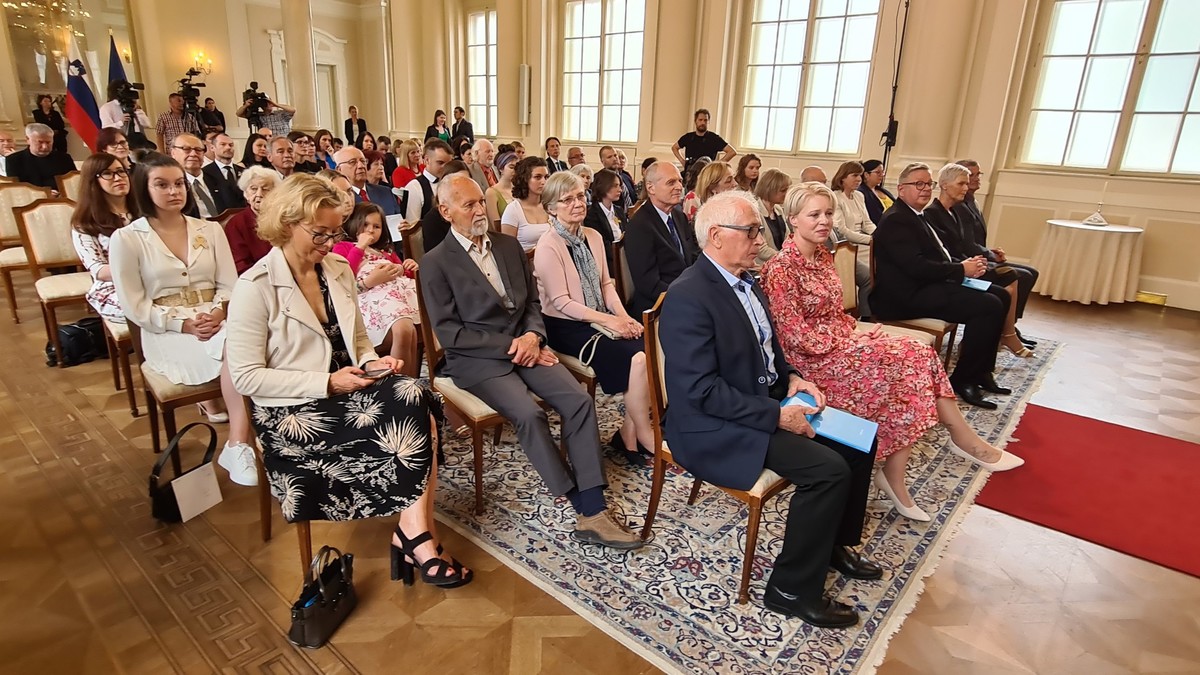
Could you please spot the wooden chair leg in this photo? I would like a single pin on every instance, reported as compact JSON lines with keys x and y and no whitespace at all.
{"x":477,"y":448}
{"x":123,"y":361}
{"x":751,"y":543}
{"x":498,"y":434}
{"x":169,"y":427}
{"x":695,"y":491}
{"x":52,"y":332}
{"x":10,"y":294}
{"x":264,"y":494}
{"x":304,"y":535}
{"x":152,"y":412}
{"x":656,"y":486}
{"x":112,"y":360}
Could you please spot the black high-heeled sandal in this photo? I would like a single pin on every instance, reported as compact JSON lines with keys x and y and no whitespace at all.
{"x":433,"y":571}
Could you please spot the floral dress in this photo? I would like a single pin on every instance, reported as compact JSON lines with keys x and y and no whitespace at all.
{"x":387,"y":303}
{"x":894,"y":381}
{"x":102,"y":296}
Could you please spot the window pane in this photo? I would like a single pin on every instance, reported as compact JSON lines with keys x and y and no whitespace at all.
{"x":571,"y":89}
{"x":828,"y":43}
{"x":781,"y":129}
{"x":588,"y":123}
{"x":629,"y":123}
{"x":493,"y":123}
{"x":790,"y":48}
{"x":477,"y":112}
{"x":794,"y":10}
{"x":864,"y":6}
{"x":822,"y":84}
{"x":476,"y":28}
{"x":635,"y":17}
{"x":610,"y":121}
{"x":633,"y":50}
{"x":591,"y":54}
{"x":1194,"y":106}
{"x":478,"y":89}
{"x":573,"y":26}
{"x":614,"y":51}
{"x":859,"y":40}
{"x":1093,"y":138}
{"x":762,"y":43}
{"x":1105,"y":82}
{"x":1177,"y":27}
{"x":814,"y":131}
{"x":766,"y":10}
{"x":477,"y":60}
{"x":758,"y":85}
{"x":632,"y":89}
{"x":492,"y":60}
{"x":615,"y":17}
{"x":1071,"y":27}
{"x":1119,"y":27}
{"x":786,"y":90}
{"x":1059,"y":87}
{"x":492,"y":90}
{"x":612,"y":87}
{"x":754,"y":127}
{"x":572,"y":56}
{"x":846,"y":131}
{"x":589,"y":85}
{"x":1161,"y":90}
{"x":1151,"y":138}
{"x":492,"y":29}
{"x":1048,"y":133}
{"x":591,"y":18}
{"x":1187,"y":158}
{"x":571,"y":122}
{"x":852,"y":84}
{"x":831,"y":7}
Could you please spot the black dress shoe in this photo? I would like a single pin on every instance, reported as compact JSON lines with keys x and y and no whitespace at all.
{"x":640,"y":458}
{"x":1024,"y":340}
{"x":824,"y":613}
{"x":971,"y":393}
{"x":850,"y":563}
{"x":989,"y":385}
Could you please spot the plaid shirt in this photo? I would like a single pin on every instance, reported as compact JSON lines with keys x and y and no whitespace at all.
{"x":279,"y":121}
{"x":169,"y":126}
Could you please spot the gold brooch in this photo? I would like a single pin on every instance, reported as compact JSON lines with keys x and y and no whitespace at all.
{"x":199,"y":242}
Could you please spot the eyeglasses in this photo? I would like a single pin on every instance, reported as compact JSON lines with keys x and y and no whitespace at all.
{"x":189,"y":149}
{"x":119,"y":144}
{"x":319,"y":238}
{"x":111,"y":175}
{"x":752,"y":231}
{"x":921,"y":185}
{"x":353,"y":162}
{"x":573,"y":199}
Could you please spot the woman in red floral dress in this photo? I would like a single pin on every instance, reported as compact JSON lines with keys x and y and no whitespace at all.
{"x":894,"y":381}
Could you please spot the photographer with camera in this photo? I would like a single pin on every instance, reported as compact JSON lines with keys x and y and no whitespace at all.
{"x":174,"y":122}
{"x":263,"y":113}
{"x":124,"y":112}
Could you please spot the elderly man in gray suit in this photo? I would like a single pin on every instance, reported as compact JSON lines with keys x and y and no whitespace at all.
{"x":480,"y":294}
{"x":483,"y":171}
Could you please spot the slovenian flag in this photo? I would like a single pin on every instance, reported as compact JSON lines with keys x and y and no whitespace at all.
{"x":116,"y":70}
{"x":81,"y":105}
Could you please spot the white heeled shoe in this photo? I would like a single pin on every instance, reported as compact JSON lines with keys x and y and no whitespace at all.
{"x":913,"y":512}
{"x":1007,"y":459}
{"x":215,"y":418}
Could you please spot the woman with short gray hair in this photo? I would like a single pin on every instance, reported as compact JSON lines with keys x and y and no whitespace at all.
{"x":248,"y":248}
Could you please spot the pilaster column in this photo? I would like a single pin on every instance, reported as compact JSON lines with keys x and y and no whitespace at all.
{"x":301,"y":64}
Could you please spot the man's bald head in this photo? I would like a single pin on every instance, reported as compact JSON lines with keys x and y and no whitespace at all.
{"x":813,"y":174}
{"x":460,"y":201}
{"x":352,"y":164}
{"x":664,"y":185}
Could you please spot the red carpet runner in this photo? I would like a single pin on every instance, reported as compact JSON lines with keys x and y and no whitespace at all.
{"x":1122,"y":488}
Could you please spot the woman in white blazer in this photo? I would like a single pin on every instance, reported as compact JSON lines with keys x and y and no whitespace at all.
{"x":850,"y":217}
{"x":770,"y":189}
{"x":344,"y":435}
{"x":173,"y":275}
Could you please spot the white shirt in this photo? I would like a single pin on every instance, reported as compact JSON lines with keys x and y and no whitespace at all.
{"x":3,"y":166}
{"x":527,"y":233}
{"x":486,"y":262}
{"x":112,"y":116}
{"x":416,"y":198}
{"x":610,"y":214}
{"x":196,"y":183}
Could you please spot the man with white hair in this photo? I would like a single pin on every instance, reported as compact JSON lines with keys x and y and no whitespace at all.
{"x":188,"y":150}
{"x":7,"y":147}
{"x":659,"y":245}
{"x":726,"y":375}
{"x":483,"y":171}
{"x":352,"y":163}
{"x":39,"y":164}
{"x":483,"y":305}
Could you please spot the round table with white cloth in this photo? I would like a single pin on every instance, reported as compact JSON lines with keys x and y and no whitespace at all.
{"x":1089,"y":263}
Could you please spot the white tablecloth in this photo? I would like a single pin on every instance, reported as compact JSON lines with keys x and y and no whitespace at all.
{"x":1089,"y":263}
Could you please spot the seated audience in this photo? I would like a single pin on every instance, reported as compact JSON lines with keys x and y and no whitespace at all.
{"x":375,"y":174}
{"x":748,"y":168}
{"x":221,"y":175}
{"x":577,"y":293}
{"x":282,"y":156}
{"x":408,"y":163}
{"x":852,"y":223}
{"x":553,"y":148}
{"x":247,"y":247}
{"x":770,"y":189}
{"x":39,"y":164}
{"x":892,"y":380}
{"x":630,"y":189}
{"x":306,"y":152}
{"x":952,"y":182}
{"x":575,"y":157}
{"x":603,"y":214}
{"x":114,"y":142}
{"x":179,"y":305}
{"x":336,"y":143}
{"x":640,"y":188}
{"x":387,"y":295}
{"x":390,"y":163}
{"x":491,"y":327}
{"x":352,"y":164}
{"x":915,"y":278}
{"x":104,"y":206}
{"x":500,"y":195}
{"x":324,"y":150}
{"x":691,"y":201}
{"x":188,"y":150}
{"x":725,"y":376}
{"x":7,"y":147}
{"x":975,"y":231}
{"x":317,"y":365}
{"x":519,"y":148}
{"x":419,"y":198}
{"x":434,"y":227}
{"x":438,"y":129}
{"x":525,"y":218}
{"x":585,"y":172}
{"x":875,"y":196}
{"x":659,"y":245}
{"x":255,"y":153}
{"x":365,"y":142}
{"x":714,"y":178}
{"x":354,"y":125}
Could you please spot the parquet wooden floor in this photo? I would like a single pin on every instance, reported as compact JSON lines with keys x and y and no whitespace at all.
{"x":90,"y":584}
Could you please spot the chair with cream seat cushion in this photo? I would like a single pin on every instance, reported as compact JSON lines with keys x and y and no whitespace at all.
{"x":68,"y":185}
{"x":45,"y":229}
{"x":12,"y":254}
{"x":935,"y":328}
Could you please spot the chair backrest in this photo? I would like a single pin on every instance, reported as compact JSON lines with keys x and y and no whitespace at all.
{"x":620,"y":273}
{"x":844,"y":258}
{"x":13,"y":195}
{"x":433,"y":349}
{"x":45,"y":227}
{"x":227,"y":215}
{"x":69,"y":184}
{"x":412,"y":238}
{"x":655,"y":373}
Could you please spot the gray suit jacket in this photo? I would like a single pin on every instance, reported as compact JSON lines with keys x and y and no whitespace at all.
{"x":469,"y":317}
{"x":477,"y":176}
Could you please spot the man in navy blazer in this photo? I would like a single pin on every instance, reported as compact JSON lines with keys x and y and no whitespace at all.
{"x":726,"y":375}
{"x":659,"y":243}
{"x":352,"y":164}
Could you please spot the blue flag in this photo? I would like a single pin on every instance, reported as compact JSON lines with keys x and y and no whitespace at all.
{"x":116,"y":70}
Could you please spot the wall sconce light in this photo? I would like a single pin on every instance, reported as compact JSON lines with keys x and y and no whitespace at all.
{"x":202,"y":64}
{"x":125,"y":54}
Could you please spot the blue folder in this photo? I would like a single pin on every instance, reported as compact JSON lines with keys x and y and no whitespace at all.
{"x":837,"y":425}
{"x":977,"y":284}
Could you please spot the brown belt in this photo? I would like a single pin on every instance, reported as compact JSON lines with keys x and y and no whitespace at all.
{"x":186,"y":298}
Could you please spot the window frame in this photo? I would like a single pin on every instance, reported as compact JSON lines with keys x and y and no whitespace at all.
{"x":491,"y":17}
{"x":600,"y":72}
{"x":1029,"y":88}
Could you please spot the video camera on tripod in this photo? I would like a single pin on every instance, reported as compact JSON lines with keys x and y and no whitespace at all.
{"x":126,"y":94}
{"x":256,"y":105}
{"x":191,"y":94}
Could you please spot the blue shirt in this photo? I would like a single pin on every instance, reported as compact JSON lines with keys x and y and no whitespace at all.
{"x":743,"y":289}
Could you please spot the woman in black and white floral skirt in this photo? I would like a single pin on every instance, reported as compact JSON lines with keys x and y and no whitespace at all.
{"x":344,"y":435}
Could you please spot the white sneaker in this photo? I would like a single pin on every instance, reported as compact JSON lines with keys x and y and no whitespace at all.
{"x":238,"y":460}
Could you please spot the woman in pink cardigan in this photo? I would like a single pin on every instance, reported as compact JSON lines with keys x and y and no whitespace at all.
{"x":583,"y":313}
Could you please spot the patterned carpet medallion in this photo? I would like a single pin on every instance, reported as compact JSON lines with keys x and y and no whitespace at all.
{"x":675,"y":600}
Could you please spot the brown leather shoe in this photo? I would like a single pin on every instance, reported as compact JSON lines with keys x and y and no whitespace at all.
{"x":604,"y":530}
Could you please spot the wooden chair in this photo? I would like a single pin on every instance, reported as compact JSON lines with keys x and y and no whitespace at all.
{"x":119,"y":343}
{"x":303,"y":527}
{"x":620,"y":273}
{"x":769,"y":483}
{"x":163,"y":394}
{"x":12,"y":252}
{"x":843,"y":261}
{"x":936,"y":328}
{"x":69,"y":185}
{"x":413,"y":240}
{"x":227,"y":215}
{"x":45,"y":229}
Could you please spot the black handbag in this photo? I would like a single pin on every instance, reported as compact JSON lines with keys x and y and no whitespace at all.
{"x":162,"y":497}
{"x":326,"y":601}
{"x":81,"y":342}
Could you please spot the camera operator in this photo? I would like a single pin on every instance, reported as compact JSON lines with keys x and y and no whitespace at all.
{"x":123,"y":96}
{"x":211,"y":119}
{"x":274,"y":116}
{"x":174,"y":122}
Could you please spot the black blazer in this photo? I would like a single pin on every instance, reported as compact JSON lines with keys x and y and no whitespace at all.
{"x":463,"y":128}
{"x":949,"y":230}
{"x":599,"y":222}
{"x":555,"y":164}
{"x":874,"y":206}
{"x":225,"y":194}
{"x":654,"y":261}
{"x":432,"y":132}
{"x":721,"y":416}
{"x":974,"y":227}
{"x":351,"y":134}
{"x":908,"y":259}
{"x":468,"y":316}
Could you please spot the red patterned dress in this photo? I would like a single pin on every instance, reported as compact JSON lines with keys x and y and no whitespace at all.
{"x":891,"y":380}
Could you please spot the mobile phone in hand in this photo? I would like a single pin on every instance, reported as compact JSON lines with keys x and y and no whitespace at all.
{"x":376,"y":373}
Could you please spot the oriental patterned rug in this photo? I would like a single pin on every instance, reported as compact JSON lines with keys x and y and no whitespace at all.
{"x":674,"y":601}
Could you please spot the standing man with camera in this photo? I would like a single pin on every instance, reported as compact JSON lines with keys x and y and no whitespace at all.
{"x":125,"y":113}
{"x":263,"y":113}
{"x":174,"y":122}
